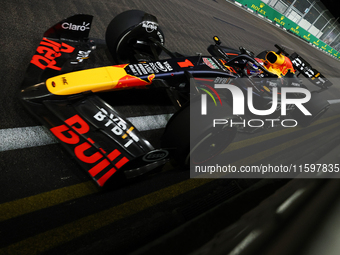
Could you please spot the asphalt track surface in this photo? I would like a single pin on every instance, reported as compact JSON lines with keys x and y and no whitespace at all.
{"x":49,"y":205}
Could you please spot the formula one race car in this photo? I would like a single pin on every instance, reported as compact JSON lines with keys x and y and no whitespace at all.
{"x":284,"y":70}
{"x":79,"y":100}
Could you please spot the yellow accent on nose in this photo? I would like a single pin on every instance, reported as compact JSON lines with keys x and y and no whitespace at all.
{"x":95,"y":80}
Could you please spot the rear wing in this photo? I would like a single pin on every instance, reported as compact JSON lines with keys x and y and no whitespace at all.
{"x":304,"y":68}
{"x":64,"y":46}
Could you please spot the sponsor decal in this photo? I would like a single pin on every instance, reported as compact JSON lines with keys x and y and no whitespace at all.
{"x":168,"y":66}
{"x":295,"y":30}
{"x":74,"y":27}
{"x":142,"y":69}
{"x":150,"y":26}
{"x":150,"y":68}
{"x":64,"y":81}
{"x":280,"y":21}
{"x":161,"y":67}
{"x":138,"y":70}
{"x":259,"y":8}
{"x":222,"y":80}
{"x":186,"y":63}
{"x":161,"y":37}
{"x":209,"y":62}
{"x":155,"y":155}
{"x":47,"y":52}
{"x":118,"y":126}
{"x":316,"y":42}
{"x":102,"y":163}
{"x":307,"y":37}
{"x":81,"y":56}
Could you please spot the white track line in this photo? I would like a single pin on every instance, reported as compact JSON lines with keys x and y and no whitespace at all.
{"x":334,"y":101}
{"x":26,"y":137}
{"x":144,"y":123}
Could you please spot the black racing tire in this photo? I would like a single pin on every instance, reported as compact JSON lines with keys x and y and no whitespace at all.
{"x":210,"y":144}
{"x":124,"y":31}
{"x":177,"y":135}
{"x":316,"y":106}
{"x":206,"y":141}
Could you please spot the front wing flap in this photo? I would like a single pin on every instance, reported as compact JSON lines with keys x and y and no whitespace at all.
{"x":100,"y":139}
{"x":65,"y":47}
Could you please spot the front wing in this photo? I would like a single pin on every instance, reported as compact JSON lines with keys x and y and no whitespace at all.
{"x":100,"y":139}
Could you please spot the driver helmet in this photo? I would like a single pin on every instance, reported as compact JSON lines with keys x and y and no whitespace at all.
{"x":251,"y":69}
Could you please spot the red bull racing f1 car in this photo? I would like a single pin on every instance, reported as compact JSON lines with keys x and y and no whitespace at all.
{"x":64,"y":87}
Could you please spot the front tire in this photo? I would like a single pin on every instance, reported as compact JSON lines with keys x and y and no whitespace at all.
{"x":129,"y":32}
{"x":202,"y":142}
